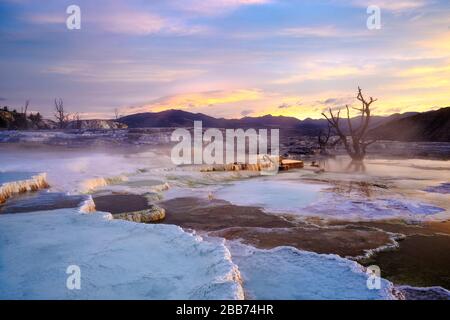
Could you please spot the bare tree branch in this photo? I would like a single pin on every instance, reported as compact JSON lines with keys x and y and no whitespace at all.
{"x":357,"y":148}
{"x":61,"y":116}
{"x":323,"y":139}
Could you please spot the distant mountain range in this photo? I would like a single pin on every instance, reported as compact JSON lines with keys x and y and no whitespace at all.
{"x":410,"y":126}
{"x":179,"y":118}
{"x":426,"y":126}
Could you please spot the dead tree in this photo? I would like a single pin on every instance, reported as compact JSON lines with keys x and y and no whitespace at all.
{"x":356,"y":147}
{"x":25,"y":109}
{"x":322,"y":140}
{"x":61,"y":116}
{"x":24,"y":115}
{"x":77,"y":120}
{"x":116,"y":114}
{"x":35,"y":119}
{"x":325,"y":140}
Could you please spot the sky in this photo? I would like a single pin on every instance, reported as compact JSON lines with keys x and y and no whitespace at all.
{"x":224,"y":58}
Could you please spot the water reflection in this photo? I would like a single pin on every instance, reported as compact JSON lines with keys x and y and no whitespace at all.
{"x":390,"y":168}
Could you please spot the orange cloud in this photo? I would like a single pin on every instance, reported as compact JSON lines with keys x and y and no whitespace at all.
{"x":318,"y":72}
{"x":200,"y":100}
{"x":256,"y":102}
{"x":440,"y":43}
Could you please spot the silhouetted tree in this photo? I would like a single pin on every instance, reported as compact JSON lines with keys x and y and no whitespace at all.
{"x":4,"y":123}
{"x":356,"y":147}
{"x":35,"y":118}
{"x":322,"y":140}
{"x":60,"y":114}
{"x":23,"y":117}
{"x":77,"y":121}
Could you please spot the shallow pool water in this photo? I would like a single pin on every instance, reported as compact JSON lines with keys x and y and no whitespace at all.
{"x":143,"y":183}
{"x":42,"y":200}
{"x":291,"y":274}
{"x":14,"y":176}
{"x":272,"y":195}
{"x":443,"y":188}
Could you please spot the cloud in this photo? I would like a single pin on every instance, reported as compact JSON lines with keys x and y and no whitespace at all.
{"x":121,"y":71}
{"x":124,"y":20}
{"x":199,"y":100}
{"x":422,"y":77}
{"x":228,"y":103}
{"x":439,"y":43}
{"x":245,"y":113}
{"x":323,"y":71}
{"x":301,"y":32}
{"x":338,"y":101}
{"x":443,"y":70}
{"x":306,"y":32}
{"x":284,"y":106}
{"x":126,"y":54}
{"x":393,"y":6}
{"x":46,"y":18}
{"x":215,"y":7}
{"x":133,"y":22}
{"x":325,"y":31}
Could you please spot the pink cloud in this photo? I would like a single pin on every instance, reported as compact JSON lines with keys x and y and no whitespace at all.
{"x":216,"y":7}
{"x":46,"y":18}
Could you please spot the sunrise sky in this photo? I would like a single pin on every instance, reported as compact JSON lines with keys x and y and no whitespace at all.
{"x":224,"y":58}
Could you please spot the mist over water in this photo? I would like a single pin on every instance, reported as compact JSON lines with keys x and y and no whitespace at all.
{"x":383,"y":188}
